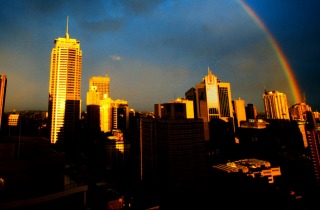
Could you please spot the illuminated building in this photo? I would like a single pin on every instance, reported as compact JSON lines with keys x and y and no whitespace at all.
{"x":3,"y":87}
{"x":251,"y":167}
{"x":13,"y":120}
{"x":176,"y":109}
{"x":239,"y":110}
{"x":93,"y":110}
{"x":255,"y":124}
{"x":276,"y":105}
{"x":213,"y":99}
{"x":102,"y":84}
{"x":99,"y":104}
{"x":64,"y":88}
{"x":191,"y":95}
{"x":298,"y":111}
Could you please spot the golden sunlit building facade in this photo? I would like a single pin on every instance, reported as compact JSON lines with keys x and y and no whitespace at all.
{"x":106,"y":114}
{"x":64,"y":88}
{"x":214,"y":100}
{"x":239,"y":111}
{"x":276,"y":105}
{"x":99,"y":103}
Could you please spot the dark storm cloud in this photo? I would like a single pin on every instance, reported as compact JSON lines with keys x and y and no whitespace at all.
{"x":139,"y":7}
{"x":104,"y":16}
{"x":104,"y":25}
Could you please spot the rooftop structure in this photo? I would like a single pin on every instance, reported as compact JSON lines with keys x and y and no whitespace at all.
{"x":250,"y":167}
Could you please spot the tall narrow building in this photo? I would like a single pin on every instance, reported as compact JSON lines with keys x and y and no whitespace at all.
{"x":3,"y":87}
{"x":64,"y":89}
{"x":276,"y":105}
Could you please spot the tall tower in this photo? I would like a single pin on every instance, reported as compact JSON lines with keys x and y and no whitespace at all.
{"x":3,"y":87}
{"x":213,"y":100}
{"x":64,"y":88}
{"x":276,"y":105}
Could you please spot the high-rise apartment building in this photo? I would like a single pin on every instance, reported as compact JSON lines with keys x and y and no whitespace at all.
{"x":65,"y":88}
{"x":213,"y":99}
{"x":99,"y":103}
{"x":3,"y":87}
{"x":276,"y":105}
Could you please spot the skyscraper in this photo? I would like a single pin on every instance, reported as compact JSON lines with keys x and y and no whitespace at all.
{"x":64,"y":88}
{"x":3,"y":87}
{"x":276,"y":105}
{"x":213,"y":100}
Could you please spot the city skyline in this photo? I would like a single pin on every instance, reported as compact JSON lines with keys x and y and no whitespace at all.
{"x":155,"y":51}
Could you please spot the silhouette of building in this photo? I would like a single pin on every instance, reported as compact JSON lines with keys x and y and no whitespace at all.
{"x":120,"y":115}
{"x":29,"y":168}
{"x":3,"y":87}
{"x":251,"y":112}
{"x":64,"y":89}
{"x":303,"y":115}
{"x":276,"y":105}
{"x":173,"y":150}
{"x":213,"y":101}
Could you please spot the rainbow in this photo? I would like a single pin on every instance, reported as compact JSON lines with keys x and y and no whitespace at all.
{"x":282,"y":59}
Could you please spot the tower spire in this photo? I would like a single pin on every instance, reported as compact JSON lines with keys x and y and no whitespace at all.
{"x":67,"y":34}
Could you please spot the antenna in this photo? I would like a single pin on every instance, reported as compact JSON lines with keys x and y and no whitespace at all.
{"x":67,"y":34}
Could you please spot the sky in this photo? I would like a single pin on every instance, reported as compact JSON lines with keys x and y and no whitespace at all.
{"x":154,"y":51}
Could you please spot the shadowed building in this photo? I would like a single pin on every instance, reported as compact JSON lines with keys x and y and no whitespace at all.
{"x":29,"y":168}
{"x":251,"y":112}
{"x":120,"y":115}
{"x":173,"y":157}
